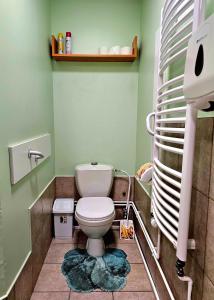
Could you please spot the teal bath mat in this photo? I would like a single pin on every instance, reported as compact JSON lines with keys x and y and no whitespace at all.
{"x":85,"y":273}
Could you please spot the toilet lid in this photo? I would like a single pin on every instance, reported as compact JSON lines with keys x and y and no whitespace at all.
{"x":95,"y":208}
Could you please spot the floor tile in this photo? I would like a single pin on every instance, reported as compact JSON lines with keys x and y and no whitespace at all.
{"x":51,"y":284}
{"x":91,"y":296}
{"x":51,"y":279}
{"x":137,"y":279}
{"x":50,"y":296}
{"x":56,"y":252}
{"x":208,"y":290}
{"x":133,"y":254}
{"x":133,"y":296}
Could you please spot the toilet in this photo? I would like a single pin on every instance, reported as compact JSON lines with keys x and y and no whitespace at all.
{"x":95,"y":210}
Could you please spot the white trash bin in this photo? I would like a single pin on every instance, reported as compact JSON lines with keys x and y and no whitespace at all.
{"x":63,"y":210}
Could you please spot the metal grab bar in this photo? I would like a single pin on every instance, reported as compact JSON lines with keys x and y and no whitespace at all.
{"x":148,"y":123}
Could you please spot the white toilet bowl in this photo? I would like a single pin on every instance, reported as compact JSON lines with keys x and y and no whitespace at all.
{"x":95,"y":216}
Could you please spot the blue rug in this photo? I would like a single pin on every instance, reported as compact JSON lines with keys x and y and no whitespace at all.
{"x":85,"y":273}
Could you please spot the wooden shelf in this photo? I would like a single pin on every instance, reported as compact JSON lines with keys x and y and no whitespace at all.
{"x":95,"y":57}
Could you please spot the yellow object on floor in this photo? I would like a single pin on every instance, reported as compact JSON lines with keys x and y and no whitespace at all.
{"x":143,"y":168}
{"x":127,"y":230}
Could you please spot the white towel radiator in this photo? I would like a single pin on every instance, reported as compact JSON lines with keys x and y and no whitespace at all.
{"x":174,"y":127}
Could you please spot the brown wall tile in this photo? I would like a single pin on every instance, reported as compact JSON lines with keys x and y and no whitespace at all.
{"x":198,"y":225}
{"x":203,"y":155}
{"x":11,"y":295}
{"x":120,"y":189}
{"x":208,"y":289}
{"x":37,"y":258}
{"x":66,"y":188}
{"x":211,"y":192}
{"x":172,"y":160}
{"x":209,"y":258}
{"x":37,"y":220}
{"x":24,"y":285}
{"x":41,"y":229}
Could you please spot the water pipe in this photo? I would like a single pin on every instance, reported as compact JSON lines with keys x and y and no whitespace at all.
{"x":128,"y":194}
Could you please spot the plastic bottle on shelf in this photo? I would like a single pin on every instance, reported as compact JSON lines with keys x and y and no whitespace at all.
{"x":60,"y":43}
{"x":68,"y":42}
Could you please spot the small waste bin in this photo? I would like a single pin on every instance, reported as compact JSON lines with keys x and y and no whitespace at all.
{"x":63,"y":210}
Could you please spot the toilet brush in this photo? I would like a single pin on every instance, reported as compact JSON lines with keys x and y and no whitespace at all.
{"x":126,"y":225}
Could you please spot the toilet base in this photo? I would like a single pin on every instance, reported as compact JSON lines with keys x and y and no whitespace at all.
{"x":95,"y":247}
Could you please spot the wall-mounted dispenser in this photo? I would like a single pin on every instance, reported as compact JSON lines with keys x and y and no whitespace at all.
{"x":199,"y":67}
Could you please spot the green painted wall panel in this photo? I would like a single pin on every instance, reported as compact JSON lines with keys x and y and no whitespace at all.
{"x":209,"y":8}
{"x":150,"y":17}
{"x":26,"y":111}
{"x":95,"y":104}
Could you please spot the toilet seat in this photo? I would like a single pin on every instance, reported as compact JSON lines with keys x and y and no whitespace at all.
{"x":95,"y":209}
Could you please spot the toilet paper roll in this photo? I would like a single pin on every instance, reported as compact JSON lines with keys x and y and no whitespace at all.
{"x":126,"y":50}
{"x":114,"y":50}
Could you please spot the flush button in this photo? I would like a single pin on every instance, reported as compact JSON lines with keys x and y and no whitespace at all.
{"x":94,"y":163}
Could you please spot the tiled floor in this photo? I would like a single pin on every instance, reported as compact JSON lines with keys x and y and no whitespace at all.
{"x":51,"y":284}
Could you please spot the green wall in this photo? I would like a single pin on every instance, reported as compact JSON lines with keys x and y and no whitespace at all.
{"x":209,"y":8}
{"x":26,"y":111}
{"x":95,"y":104}
{"x":150,"y":22}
